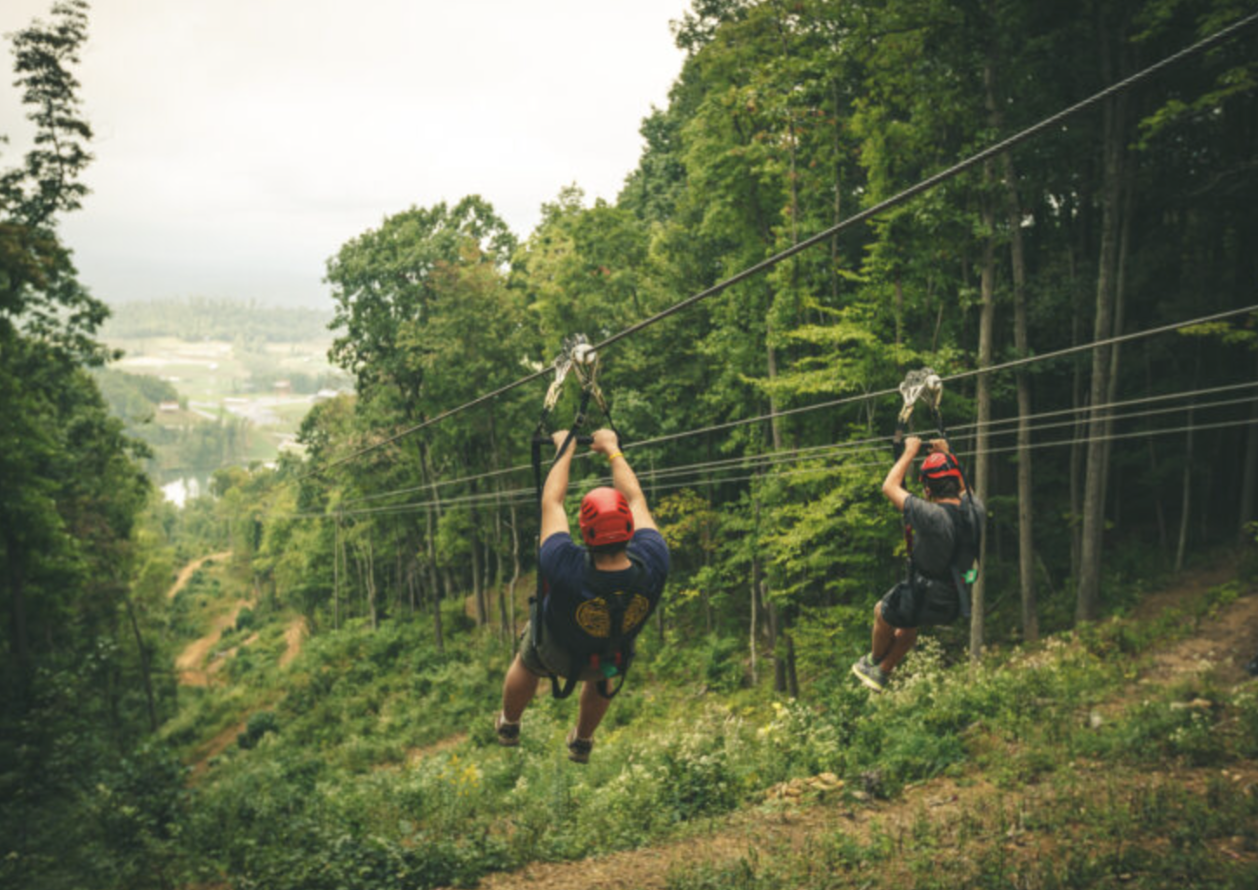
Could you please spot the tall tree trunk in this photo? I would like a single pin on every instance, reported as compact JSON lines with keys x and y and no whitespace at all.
{"x":1120,"y":286}
{"x":1088,"y":600}
{"x":1078,"y":402}
{"x":1017,"y":257}
{"x":145,"y":672}
{"x":1186,"y":498}
{"x":792,"y":676}
{"x":759,"y":583}
{"x":434,"y":586}
{"x":983,"y":398}
{"x":515,"y":570}
{"x":365,"y":557}
{"x":775,"y":634}
{"x":775,"y":426}
{"x":499,"y":573}
{"x":440,"y":578}
{"x":754,"y":598}
{"x":399,"y":570}
{"x":1249,"y":477}
{"x":478,"y":587}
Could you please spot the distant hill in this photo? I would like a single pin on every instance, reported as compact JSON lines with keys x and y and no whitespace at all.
{"x":197,"y":318}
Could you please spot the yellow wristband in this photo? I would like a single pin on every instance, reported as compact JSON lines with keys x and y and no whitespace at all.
{"x":611,"y":457}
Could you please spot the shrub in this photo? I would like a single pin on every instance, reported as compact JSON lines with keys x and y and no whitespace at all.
{"x":256,"y":727}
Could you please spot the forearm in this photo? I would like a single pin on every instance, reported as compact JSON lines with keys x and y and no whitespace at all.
{"x":556,"y":487}
{"x":895,"y":476}
{"x":625,"y":481}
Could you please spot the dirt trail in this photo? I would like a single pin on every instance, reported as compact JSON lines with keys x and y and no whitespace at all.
{"x":191,"y":662}
{"x":1224,"y":643}
{"x":186,"y":572}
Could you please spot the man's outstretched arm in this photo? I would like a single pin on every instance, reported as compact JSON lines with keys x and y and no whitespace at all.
{"x":624,"y":479}
{"x":893,"y":485}
{"x":554,"y":519}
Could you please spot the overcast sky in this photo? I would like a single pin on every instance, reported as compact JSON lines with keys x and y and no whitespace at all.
{"x":240,"y":143}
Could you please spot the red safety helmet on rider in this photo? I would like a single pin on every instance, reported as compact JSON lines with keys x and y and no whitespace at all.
{"x":605,"y":518}
{"x":940,"y":465}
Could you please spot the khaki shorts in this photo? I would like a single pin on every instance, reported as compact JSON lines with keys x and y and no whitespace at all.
{"x":548,"y":658}
{"x":926,"y":603}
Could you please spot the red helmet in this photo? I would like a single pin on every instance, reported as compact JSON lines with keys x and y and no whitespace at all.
{"x":940,"y":465}
{"x":605,"y":518}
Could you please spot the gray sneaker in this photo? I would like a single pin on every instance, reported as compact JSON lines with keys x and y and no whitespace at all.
{"x":870,"y":674}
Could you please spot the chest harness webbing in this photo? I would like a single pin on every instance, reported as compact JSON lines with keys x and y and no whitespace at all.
{"x":613,"y":656}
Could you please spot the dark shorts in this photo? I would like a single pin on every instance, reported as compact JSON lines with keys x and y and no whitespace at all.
{"x":548,"y":658}
{"x":925,"y":603}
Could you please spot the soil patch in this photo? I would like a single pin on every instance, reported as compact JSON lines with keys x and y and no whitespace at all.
{"x":185,"y":573}
{"x":190,"y":664}
{"x":294,"y":635}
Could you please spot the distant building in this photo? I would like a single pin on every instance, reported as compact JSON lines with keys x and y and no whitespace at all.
{"x":167,"y":406}
{"x":324,"y":394}
{"x":283,"y":387}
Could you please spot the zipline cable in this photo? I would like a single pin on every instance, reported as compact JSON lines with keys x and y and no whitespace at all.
{"x":854,"y":448}
{"x":524,"y":495}
{"x":1004,"y":366}
{"x":913,"y":191}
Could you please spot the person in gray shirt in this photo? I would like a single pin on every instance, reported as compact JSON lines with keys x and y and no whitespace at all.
{"x":943,"y":532}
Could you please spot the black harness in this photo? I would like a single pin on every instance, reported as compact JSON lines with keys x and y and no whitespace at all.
{"x":612,"y":655}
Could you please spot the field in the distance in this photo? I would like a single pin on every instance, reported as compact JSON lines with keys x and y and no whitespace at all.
{"x":272,"y":386}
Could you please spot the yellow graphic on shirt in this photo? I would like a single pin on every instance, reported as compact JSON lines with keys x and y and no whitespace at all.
{"x":595,"y":618}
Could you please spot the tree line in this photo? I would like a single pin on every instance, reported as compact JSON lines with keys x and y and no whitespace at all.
{"x":208,"y":318}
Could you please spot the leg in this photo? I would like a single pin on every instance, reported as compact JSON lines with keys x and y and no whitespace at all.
{"x":517,"y":690}
{"x":905,"y":637}
{"x":891,"y":643}
{"x":884,"y":636}
{"x":591,"y":710}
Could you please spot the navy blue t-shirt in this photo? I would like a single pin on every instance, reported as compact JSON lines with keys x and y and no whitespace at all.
{"x":580,"y":618}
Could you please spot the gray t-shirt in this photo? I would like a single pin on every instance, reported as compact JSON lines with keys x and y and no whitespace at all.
{"x":933,"y":534}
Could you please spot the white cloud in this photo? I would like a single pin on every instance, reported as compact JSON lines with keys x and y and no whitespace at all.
{"x":239,"y":143}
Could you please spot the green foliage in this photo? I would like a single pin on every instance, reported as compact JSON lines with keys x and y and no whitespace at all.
{"x":256,"y":727}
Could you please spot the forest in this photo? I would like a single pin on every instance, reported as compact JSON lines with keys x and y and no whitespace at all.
{"x":772,"y":271}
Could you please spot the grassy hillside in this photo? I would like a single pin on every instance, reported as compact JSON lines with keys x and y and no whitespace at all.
{"x":1123,"y":753}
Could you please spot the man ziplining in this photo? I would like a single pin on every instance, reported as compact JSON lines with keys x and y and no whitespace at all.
{"x":597,"y":597}
{"x":942,"y":532}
